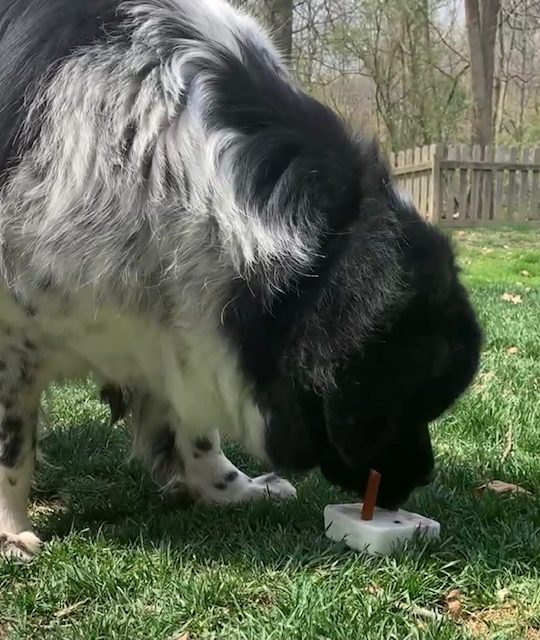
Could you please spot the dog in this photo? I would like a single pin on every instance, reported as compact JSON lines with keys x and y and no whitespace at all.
{"x":179,"y":219}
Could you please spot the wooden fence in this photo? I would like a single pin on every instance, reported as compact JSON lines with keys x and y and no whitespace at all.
{"x":466,"y":186}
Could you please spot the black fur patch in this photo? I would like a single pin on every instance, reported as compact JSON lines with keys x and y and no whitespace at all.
{"x":114,"y":397}
{"x":35,"y":36}
{"x":203,"y":444}
{"x":11,"y":440}
{"x":167,"y":460}
{"x":381,"y":310}
{"x":231,"y":476}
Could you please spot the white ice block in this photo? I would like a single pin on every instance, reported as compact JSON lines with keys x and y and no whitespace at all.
{"x":380,"y":536}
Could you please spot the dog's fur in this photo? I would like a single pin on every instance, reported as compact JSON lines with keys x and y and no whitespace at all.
{"x":178,"y":218}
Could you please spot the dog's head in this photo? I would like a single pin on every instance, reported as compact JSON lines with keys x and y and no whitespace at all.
{"x":409,"y":372}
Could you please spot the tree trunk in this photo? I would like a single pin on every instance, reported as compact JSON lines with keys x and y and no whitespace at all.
{"x":482,"y":19}
{"x":280,"y":17}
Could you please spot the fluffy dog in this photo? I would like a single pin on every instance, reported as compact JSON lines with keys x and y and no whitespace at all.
{"x":180,"y":219}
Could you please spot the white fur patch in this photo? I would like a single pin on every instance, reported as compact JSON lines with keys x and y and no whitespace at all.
{"x":14,"y":489}
{"x":214,"y":479}
{"x":190,"y":369}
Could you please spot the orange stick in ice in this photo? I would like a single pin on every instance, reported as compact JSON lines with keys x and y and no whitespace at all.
{"x":370,"y":497}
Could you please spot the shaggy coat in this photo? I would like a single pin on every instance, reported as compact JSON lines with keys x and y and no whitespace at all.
{"x":179,"y":219}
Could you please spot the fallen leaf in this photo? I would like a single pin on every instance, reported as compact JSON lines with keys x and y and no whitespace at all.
{"x":184,"y":636}
{"x":483,"y":380}
{"x":66,"y":611}
{"x":512,"y":351}
{"x":514,"y":298}
{"x":453,"y":604}
{"x":502,"y":594}
{"x":373,"y":589}
{"x":461,"y":234}
{"x":525,"y":273}
{"x":498,"y":486}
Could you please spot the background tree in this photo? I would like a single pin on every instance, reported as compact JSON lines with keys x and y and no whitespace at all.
{"x":482,"y":18}
{"x":280,"y":16}
{"x":417,"y":71}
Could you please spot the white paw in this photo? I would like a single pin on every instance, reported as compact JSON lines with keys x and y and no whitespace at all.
{"x":243,"y":489}
{"x":19,"y":546}
{"x":274,"y":486}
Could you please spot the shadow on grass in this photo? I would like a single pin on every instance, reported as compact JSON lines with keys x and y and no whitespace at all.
{"x":94,"y":490}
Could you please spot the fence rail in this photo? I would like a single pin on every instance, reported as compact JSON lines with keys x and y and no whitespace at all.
{"x":465,"y":185}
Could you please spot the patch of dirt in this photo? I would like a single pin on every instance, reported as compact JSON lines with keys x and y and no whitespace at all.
{"x":264,"y":599}
{"x":487,"y":622}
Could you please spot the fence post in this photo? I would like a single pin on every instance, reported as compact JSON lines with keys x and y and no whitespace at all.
{"x":486,"y":212}
{"x":435,"y":201}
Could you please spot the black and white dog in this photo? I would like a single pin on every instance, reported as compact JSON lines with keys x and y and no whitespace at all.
{"x":178,"y":218}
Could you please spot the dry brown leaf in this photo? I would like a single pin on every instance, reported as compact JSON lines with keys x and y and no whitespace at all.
{"x":184,"y":636}
{"x":373,"y":589}
{"x":514,"y":298}
{"x":66,"y":611}
{"x":483,"y":380}
{"x":453,"y":604}
{"x":512,"y":351}
{"x":498,"y":486}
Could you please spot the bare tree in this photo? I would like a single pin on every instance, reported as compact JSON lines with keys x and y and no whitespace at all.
{"x":482,"y":17}
{"x":280,"y":17}
{"x":517,"y":81}
{"x":408,"y":70}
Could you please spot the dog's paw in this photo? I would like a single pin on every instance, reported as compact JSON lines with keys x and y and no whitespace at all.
{"x":19,"y":546}
{"x":274,"y":486}
{"x":238,"y":488}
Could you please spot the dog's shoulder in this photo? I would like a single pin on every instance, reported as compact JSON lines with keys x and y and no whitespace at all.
{"x":35,"y":36}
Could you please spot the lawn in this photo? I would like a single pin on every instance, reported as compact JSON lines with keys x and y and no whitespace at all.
{"x":122,"y":562}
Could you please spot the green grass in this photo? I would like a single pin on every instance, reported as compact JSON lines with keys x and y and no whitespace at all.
{"x":121,"y":562}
